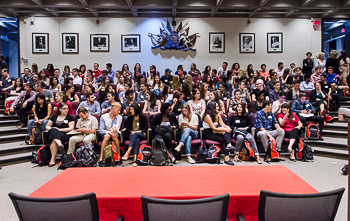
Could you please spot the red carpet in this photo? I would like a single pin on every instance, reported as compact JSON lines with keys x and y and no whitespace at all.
{"x":118,"y":190}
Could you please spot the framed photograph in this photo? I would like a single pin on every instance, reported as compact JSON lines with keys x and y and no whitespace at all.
{"x":99,"y":42}
{"x":131,"y":43}
{"x":70,"y":43}
{"x":246,"y":42}
{"x":275,"y":42}
{"x":40,"y":43}
{"x":216,"y":42}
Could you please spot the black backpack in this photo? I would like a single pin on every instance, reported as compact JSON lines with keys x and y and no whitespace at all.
{"x":308,"y":153}
{"x":68,"y":161}
{"x":42,"y":157}
{"x":312,"y":132}
{"x":202,"y":153}
{"x":86,"y":156}
{"x":159,"y":156}
{"x":213,"y":154}
{"x":144,"y":155}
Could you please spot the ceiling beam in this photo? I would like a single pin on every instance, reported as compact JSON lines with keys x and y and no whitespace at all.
{"x":174,"y":4}
{"x":85,"y":3}
{"x":132,"y":9}
{"x":304,"y":3}
{"x":218,"y":4}
{"x":262,"y":3}
{"x":41,"y":4}
{"x":331,"y":12}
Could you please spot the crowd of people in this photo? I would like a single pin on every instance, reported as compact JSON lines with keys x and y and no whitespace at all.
{"x":225,"y":102}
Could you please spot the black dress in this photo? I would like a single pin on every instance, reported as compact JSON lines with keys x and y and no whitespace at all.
{"x":56,"y":134}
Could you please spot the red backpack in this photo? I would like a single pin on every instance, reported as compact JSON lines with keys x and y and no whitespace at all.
{"x":144,"y":155}
{"x":272,"y":152}
{"x":299,"y":152}
{"x":246,"y":153}
{"x":312,"y":132}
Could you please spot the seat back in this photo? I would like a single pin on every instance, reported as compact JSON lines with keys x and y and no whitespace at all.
{"x":75,"y":106}
{"x":253,"y":119}
{"x":209,"y":209}
{"x":291,"y":207}
{"x":77,"y":87}
{"x":53,"y":105}
{"x":230,"y":116}
{"x":83,"y":207}
{"x":308,"y":94}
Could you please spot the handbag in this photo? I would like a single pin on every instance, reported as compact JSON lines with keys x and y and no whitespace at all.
{"x":162,"y":129}
{"x":240,"y":132}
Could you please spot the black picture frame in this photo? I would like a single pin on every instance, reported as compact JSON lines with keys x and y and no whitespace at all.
{"x":277,"y":46}
{"x":246,"y":42}
{"x":70,"y":43}
{"x":40,"y":43}
{"x":99,"y":43}
{"x":217,"y":42}
{"x":131,"y":43}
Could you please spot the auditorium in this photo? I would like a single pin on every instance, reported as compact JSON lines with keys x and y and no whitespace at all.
{"x":174,"y":110}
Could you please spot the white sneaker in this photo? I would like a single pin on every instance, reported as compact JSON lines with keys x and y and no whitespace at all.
{"x":178,"y":148}
{"x":190,"y":160}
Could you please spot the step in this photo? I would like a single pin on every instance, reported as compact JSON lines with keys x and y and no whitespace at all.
{"x":15,"y":158}
{"x":337,"y":126}
{"x":333,"y":113}
{"x":8,"y":117}
{"x":10,"y":130}
{"x":329,"y":142}
{"x":12,"y":138}
{"x":16,"y":147}
{"x":333,"y":153}
{"x":335,"y":133}
{"x":6,"y":123}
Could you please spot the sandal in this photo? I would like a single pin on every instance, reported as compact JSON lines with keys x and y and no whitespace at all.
{"x":236,"y":158}
{"x":126,"y":154}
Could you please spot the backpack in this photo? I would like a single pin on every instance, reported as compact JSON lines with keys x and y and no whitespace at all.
{"x":36,"y":135}
{"x":159,"y":155}
{"x":312,"y":132}
{"x":8,"y":106}
{"x":213,"y":154}
{"x":246,"y":153}
{"x":144,"y":155}
{"x":68,"y":161}
{"x":42,"y":157}
{"x":86,"y":156}
{"x":110,"y":156}
{"x":272,"y":152}
{"x":308,"y":153}
{"x":202,"y":153}
{"x":328,"y":118}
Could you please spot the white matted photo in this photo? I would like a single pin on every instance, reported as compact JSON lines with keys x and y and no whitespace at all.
{"x":275,"y":42}
{"x":216,"y":42}
{"x":40,"y":43}
{"x":246,"y":42}
{"x":70,"y":43}
{"x":99,"y":42}
{"x":131,"y":43}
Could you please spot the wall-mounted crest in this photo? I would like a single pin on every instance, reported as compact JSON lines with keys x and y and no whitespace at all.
{"x":174,"y":38}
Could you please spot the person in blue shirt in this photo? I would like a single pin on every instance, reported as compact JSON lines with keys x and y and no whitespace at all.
{"x":106,"y":105}
{"x":268,"y":128}
{"x":27,"y":78}
{"x":92,"y":106}
{"x":110,"y":72}
{"x":331,"y":76}
{"x":7,"y":82}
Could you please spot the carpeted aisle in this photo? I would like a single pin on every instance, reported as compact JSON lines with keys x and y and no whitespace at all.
{"x":118,"y":190}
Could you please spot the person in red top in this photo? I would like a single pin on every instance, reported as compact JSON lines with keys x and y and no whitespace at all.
{"x":291,"y":125}
{"x":96,"y":72}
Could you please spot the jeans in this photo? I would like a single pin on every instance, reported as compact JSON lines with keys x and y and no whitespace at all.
{"x":86,"y":138}
{"x":135,"y":141}
{"x":31,"y":123}
{"x":186,"y":137}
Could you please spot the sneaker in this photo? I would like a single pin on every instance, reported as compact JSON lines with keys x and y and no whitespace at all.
{"x":173,"y":160}
{"x":190,"y":160}
{"x":178,"y":149}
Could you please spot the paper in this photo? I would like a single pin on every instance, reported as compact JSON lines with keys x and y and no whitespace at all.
{"x":306,"y":115}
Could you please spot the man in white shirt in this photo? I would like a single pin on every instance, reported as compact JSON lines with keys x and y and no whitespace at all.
{"x":76,"y":78}
{"x":60,"y":78}
{"x":280,"y":69}
{"x":307,"y":85}
{"x":223,"y":70}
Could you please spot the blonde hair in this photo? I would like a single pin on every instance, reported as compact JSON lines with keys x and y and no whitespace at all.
{"x":189,"y":81}
{"x":242,"y":73}
{"x":319,"y":55}
{"x":116,"y":104}
{"x":333,"y":54}
{"x":189,"y":115}
{"x":176,"y":83}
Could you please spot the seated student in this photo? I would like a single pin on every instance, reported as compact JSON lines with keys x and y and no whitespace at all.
{"x":259,"y":88}
{"x":157,"y":86}
{"x":336,"y":96}
{"x":270,"y":84}
{"x":27,"y":78}
{"x":316,"y":77}
{"x":110,"y":129}
{"x":87,"y":125}
{"x":268,"y":128}
{"x":72,"y":96}
{"x":223,"y":80}
{"x":42,"y":114}
{"x":220,"y":134}
{"x":54,"y":86}
{"x":276,"y":105}
{"x":237,"y":100}
{"x":15,"y":91}
{"x":245,"y":95}
{"x":152,"y":105}
{"x":186,"y":91}
{"x":303,"y":106}
{"x":197,"y":104}
{"x":62,"y":97}
{"x":287,"y":78}
{"x":24,"y":102}
{"x":188,"y":124}
{"x":136,"y":130}
{"x":91,"y":106}
{"x":89,"y":81}
{"x":89,"y":89}
{"x":142,"y":95}
{"x":241,"y":121}
{"x":259,"y":103}
{"x":76,"y":78}
{"x":167,"y":77}
{"x":214,"y":96}
{"x":318,"y":99}
{"x":204,"y":90}
{"x":57,"y":127}
{"x":293,"y":93}
{"x":224,"y":94}
{"x":163,"y":125}
{"x":306,"y":85}
{"x":291,"y":125}
{"x":129,"y":95}
{"x":331,"y":77}
{"x":299,"y":75}
{"x":102,"y":78}
{"x":176,"y":103}
{"x":106,"y":105}
{"x":274,"y":94}
{"x":6,"y":82}
{"x":214,"y":78}
{"x":103,"y":85}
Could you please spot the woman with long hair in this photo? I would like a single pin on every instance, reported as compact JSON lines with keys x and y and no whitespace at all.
{"x":54,"y":85}
{"x":166,"y":95}
{"x":42,"y":114}
{"x":15,"y":90}
{"x":125,"y":69}
{"x":35,"y":69}
{"x":204,"y":91}
{"x":186,"y":91}
{"x":188,"y":124}
{"x":152,"y":105}
{"x":241,"y":124}
{"x":287,"y":78}
{"x":120,"y":85}
{"x":235,"y":69}
{"x":207,"y":70}
{"x":105,"y":82}
{"x":230,"y":77}
{"x":137,"y":68}
{"x":151,"y":78}
{"x":82,"y":70}
{"x":197,"y":104}
{"x":212,"y":131}
{"x":318,"y":99}
{"x":157,"y":85}
{"x":214,"y":96}
{"x":344,"y":63}
{"x":197,"y":78}
{"x":58,"y":127}
{"x":235,"y":101}
{"x":72,"y":96}
{"x":66,"y":71}
{"x":43,"y":77}
{"x":250,"y":70}
{"x":189,"y":81}
{"x":91,"y":90}
{"x":136,"y":129}
{"x":193,"y":68}
{"x":61,"y":97}
{"x":50,"y":70}
{"x":175,"y":86}
{"x":291,"y":125}
{"x":333,"y":61}
{"x":256,"y":76}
